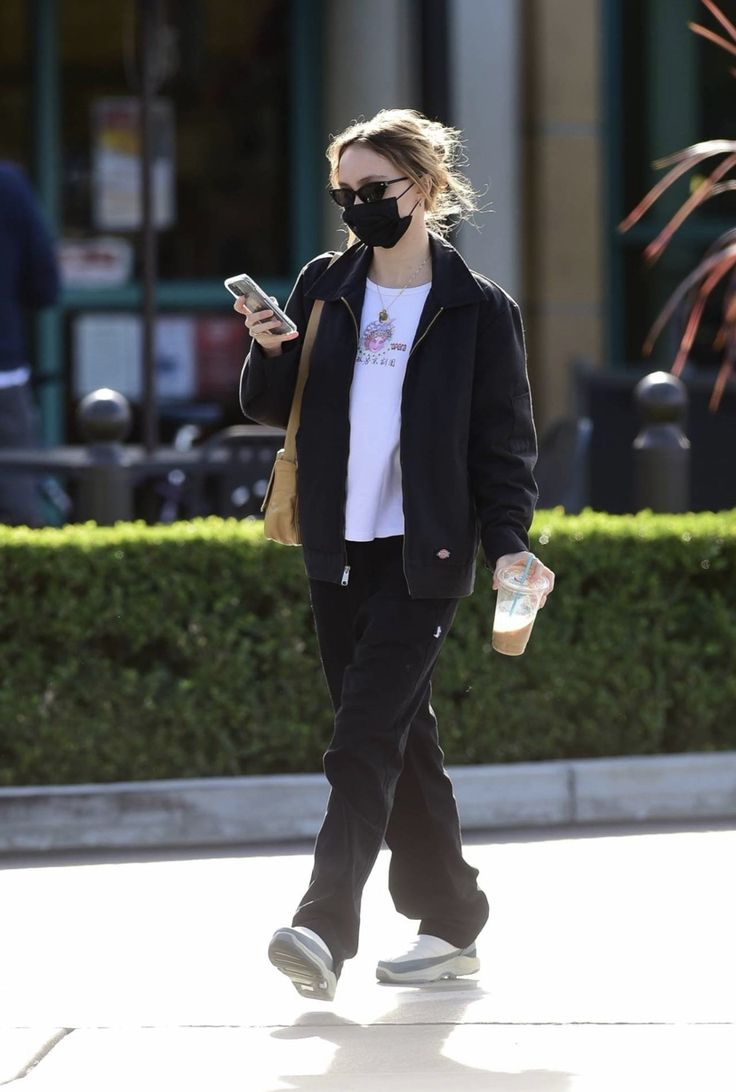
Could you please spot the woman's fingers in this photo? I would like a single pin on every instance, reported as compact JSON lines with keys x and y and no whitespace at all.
{"x":261,"y":325}
{"x":261,"y":321}
{"x":538,"y":569}
{"x":542,"y":570}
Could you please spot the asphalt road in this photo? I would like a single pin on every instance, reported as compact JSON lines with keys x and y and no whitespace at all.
{"x":608,"y":964}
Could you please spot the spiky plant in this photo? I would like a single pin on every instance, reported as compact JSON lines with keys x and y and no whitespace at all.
{"x":719,"y":261}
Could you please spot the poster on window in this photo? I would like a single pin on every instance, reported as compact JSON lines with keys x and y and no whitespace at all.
{"x":116,"y":164}
{"x":108,"y":352}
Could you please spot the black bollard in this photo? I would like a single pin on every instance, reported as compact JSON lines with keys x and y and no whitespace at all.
{"x":105,"y":491}
{"x":661,"y":450}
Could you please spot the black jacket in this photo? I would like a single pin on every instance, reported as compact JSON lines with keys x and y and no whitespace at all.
{"x":29,"y":276}
{"x":468,"y":444}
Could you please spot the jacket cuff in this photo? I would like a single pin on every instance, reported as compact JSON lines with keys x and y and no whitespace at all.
{"x":259,"y":362}
{"x":261,"y":374}
{"x":504,"y":540}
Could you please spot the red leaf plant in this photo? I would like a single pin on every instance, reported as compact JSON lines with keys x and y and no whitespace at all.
{"x":719,"y":260}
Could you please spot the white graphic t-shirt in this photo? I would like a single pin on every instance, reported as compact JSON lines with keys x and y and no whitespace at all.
{"x":374,"y":500}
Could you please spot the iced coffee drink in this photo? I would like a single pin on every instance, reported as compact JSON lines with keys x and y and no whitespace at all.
{"x":516,"y":608}
{"x":510,"y":635}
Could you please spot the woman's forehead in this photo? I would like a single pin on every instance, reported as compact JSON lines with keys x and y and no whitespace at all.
{"x":359,"y":164}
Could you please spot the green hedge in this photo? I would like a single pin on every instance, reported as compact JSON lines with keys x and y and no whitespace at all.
{"x":142,"y":652}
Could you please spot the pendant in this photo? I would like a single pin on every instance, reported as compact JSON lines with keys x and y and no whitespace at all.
{"x":383,"y":315}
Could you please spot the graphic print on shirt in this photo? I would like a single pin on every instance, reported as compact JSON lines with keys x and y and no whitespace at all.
{"x":376,"y":336}
{"x":377,"y":344}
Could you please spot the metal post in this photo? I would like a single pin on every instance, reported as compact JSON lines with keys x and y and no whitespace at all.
{"x":106,"y":491}
{"x":661,"y":450}
{"x":148,"y":27}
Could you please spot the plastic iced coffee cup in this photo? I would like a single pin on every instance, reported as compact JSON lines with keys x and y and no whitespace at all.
{"x":517,"y":604}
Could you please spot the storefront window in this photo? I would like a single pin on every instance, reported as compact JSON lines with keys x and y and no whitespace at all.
{"x":221,"y":165}
{"x":224,"y":124}
{"x":14,"y":84}
{"x":237,"y":184}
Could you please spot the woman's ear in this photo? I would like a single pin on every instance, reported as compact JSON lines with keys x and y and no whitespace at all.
{"x":424,"y":185}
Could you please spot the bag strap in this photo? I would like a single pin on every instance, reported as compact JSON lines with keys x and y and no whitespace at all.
{"x":302,"y":374}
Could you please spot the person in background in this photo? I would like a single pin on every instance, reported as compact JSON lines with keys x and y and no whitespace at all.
{"x":29,"y":280}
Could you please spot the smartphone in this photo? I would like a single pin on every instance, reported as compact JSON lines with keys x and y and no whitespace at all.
{"x":257,"y":300}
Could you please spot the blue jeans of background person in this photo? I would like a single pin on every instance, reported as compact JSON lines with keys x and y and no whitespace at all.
{"x":378,"y":648}
{"x":19,"y":498}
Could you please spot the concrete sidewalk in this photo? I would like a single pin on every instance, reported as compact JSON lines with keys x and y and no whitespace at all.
{"x":608,"y":964}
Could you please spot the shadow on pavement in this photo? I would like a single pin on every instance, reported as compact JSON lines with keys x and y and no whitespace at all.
{"x":408,"y":1054}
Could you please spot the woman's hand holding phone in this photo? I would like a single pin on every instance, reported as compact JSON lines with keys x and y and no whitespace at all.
{"x":259,"y":323}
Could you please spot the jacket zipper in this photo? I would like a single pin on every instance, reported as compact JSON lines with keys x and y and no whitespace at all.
{"x":401,"y":463}
{"x":421,"y":339}
{"x":346,"y":570}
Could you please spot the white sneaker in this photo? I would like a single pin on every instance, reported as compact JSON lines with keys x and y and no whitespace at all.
{"x":427,"y":960}
{"x":305,"y":959}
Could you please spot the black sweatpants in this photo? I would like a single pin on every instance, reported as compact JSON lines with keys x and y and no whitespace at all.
{"x":378,"y":648}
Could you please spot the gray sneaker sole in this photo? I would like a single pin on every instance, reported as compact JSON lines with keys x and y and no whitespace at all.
{"x":459,"y":963}
{"x":308,"y":972}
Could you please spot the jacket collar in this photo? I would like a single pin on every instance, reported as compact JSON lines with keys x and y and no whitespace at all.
{"x":452,"y":282}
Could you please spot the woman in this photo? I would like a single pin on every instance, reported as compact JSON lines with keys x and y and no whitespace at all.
{"x":416,"y":445}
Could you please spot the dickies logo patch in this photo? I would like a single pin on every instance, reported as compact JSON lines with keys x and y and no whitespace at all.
{"x":443,"y":554}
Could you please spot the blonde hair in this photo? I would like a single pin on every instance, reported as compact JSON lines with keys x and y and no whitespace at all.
{"x":427,"y":152}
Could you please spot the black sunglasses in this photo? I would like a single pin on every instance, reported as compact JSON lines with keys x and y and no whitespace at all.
{"x":370,"y":191}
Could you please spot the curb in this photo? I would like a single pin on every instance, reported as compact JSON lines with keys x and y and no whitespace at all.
{"x":290,"y":807}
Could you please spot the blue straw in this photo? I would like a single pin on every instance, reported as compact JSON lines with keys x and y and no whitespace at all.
{"x":524,"y":575}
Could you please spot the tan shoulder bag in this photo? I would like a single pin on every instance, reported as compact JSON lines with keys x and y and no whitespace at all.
{"x":281,"y":502}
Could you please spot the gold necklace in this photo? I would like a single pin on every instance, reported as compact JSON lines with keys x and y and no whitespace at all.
{"x":383,"y":313}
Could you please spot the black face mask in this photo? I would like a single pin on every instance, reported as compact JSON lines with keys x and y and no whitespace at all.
{"x":377,"y":223}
